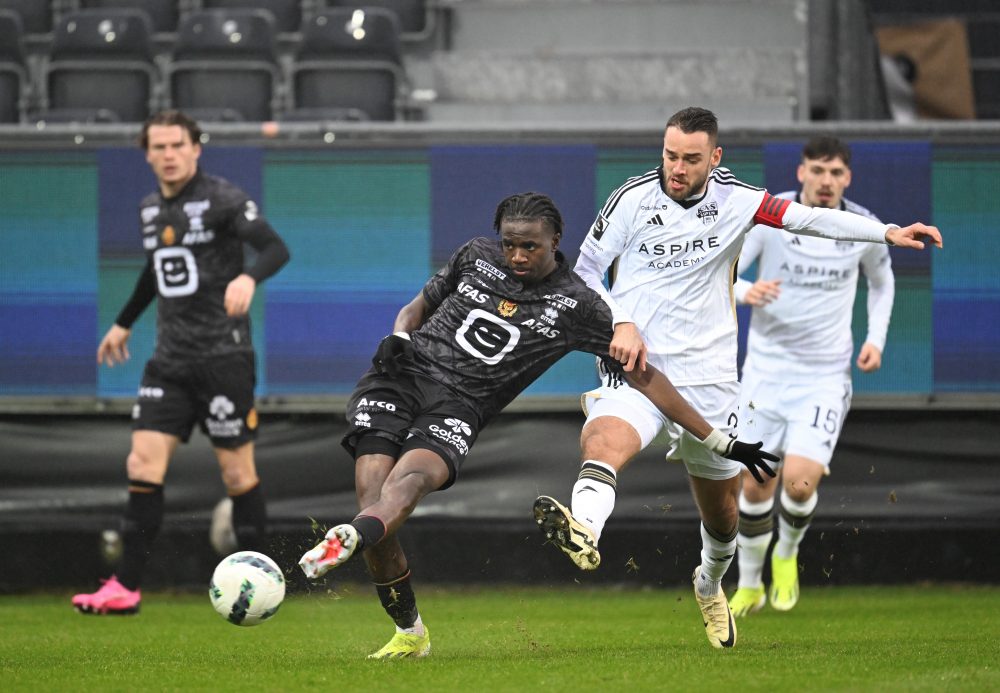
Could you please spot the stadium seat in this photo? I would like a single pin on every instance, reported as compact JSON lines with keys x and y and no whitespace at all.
{"x":225,"y":66}
{"x":101,"y":62}
{"x":163,"y":14}
{"x":349,"y":62}
{"x":13,"y":75}
{"x":415,"y":17}
{"x":287,"y":13}
{"x":36,"y":15}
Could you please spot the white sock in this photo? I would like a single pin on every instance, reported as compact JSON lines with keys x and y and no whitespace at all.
{"x":793,"y":521}
{"x":594,"y":495}
{"x":416,"y":629}
{"x":756,"y":531}
{"x":716,"y":555}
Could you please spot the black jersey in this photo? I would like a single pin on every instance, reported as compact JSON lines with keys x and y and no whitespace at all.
{"x":490,"y":336}
{"x":194,"y":244}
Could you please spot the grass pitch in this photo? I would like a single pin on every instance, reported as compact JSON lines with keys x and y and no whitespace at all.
{"x":913,"y":638}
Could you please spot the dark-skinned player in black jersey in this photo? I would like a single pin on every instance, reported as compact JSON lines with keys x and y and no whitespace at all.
{"x":202,"y":371}
{"x":482,"y":329}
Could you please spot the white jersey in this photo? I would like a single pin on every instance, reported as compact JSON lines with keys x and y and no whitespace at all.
{"x":675,"y":264}
{"x":806,"y":332}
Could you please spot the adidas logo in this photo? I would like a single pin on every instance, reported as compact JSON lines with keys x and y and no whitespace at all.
{"x":655,"y":220}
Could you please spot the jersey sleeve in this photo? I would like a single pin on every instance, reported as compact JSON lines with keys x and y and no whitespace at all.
{"x":771,"y":211}
{"x":834,"y":224}
{"x":595,"y":327}
{"x":252,"y":228}
{"x":609,"y":233}
{"x":445,"y":280}
{"x":877,"y":267}
{"x":604,"y":243}
{"x":142,"y":295}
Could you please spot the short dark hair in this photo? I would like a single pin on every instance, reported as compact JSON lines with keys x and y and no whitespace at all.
{"x":695,"y":119}
{"x":826,"y":147}
{"x":170,"y":117}
{"x":529,"y":206}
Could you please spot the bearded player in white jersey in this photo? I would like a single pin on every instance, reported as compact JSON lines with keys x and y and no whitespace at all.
{"x":673,"y":237}
{"x":797,"y":377}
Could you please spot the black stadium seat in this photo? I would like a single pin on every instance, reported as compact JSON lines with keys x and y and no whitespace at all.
{"x":101,"y":62}
{"x":414,"y":18}
{"x":36,"y":15}
{"x":13,"y":75}
{"x":163,"y":14}
{"x":349,"y":63}
{"x":287,"y":13}
{"x":225,"y":66}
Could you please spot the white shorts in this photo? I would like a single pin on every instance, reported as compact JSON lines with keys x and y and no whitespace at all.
{"x":716,"y":402}
{"x":802,"y":419}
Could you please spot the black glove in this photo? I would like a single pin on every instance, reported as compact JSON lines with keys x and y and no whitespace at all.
{"x":751,"y":455}
{"x":392,"y":350}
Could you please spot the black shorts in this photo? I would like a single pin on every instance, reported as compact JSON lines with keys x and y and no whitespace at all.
{"x":216,"y":392}
{"x":411,"y":411}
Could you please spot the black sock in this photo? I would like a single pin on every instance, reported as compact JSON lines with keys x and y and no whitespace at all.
{"x":370,"y":529}
{"x":141,"y":524}
{"x":250,"y":519}
{"x":398,"y":600}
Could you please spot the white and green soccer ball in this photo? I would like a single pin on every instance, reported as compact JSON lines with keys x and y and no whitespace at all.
{"x":247,"y":588}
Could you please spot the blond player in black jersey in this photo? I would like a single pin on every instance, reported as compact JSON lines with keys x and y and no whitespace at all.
{"x":202,"y":371}
{"x":481,"y":330}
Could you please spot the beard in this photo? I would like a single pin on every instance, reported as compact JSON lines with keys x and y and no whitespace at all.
{"x":693,"y":187}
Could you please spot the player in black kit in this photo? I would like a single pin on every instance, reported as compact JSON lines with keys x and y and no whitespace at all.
{"x":193,"y":231}
{"x":481,"y":330}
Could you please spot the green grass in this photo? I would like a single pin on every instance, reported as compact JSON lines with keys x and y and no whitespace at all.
{"x":914,"y":638}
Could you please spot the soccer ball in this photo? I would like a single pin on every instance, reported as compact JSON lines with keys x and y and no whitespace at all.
{"x":247,"y":588}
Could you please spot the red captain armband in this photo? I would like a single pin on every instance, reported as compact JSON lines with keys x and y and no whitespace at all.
{"x":771,"y":210}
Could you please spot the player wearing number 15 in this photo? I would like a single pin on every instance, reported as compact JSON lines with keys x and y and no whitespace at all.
{"x":193,"y":231}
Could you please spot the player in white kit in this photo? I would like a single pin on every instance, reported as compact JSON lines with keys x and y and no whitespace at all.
{"x":672,"y":237}
{"x":797,"y":376}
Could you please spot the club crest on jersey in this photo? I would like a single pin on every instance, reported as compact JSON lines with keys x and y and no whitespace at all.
{"x":506,"y":308}
{"x":169,"y":236}
{"x":708,"y":213}
{"x":599,"y":227}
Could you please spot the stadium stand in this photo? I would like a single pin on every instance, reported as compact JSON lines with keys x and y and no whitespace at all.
{"x":982,"y":22}
{"x":13,"y":75}
{"x":628,"y":62}
{"x":36,"y":16}
{"x":349,"y":66}
{"x":224,"y":66}
{"x":100,"y":68}
{"x":416,"y":17}
{"x":287,"y":13}
{"x":163,"y":14}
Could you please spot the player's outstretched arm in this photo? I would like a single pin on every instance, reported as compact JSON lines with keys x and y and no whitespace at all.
{"x":750,"y":455}
{"x":914,"y":235}
{"x":662,"y":393}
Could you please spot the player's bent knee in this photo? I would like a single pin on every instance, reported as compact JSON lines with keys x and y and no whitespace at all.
{"x":609,"y":440}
